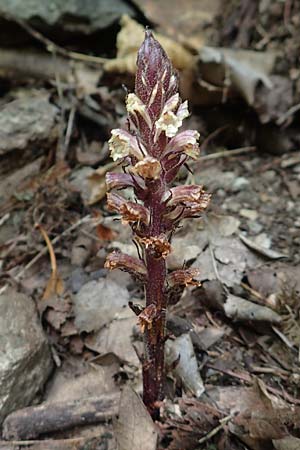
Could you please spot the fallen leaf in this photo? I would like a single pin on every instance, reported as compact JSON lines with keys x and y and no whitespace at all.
{"x":242,"y":69}
{"x":98,"y":303}
{"x":189,"y":22}
{"x":97,"y":183}
{"x":287,"y":443}
{"x":134,"y":429}
{"x":116,"y":338}
{"x":238,"y":308}
{"x":264,"y":251}
{"x":187,"y":367}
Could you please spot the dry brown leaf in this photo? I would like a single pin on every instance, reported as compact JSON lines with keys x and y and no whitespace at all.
{"x":134,"y":429}
{"x":189,"y":22}
{"x":97,"y":183}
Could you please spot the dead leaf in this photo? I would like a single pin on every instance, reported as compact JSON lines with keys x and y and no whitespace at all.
{"x":264,"y":251}
{"x":189,"y":22}
{"x":238,"y":308}
{"x":287,"y":443}
{"x":98,"y":303}
{"x":134,"y":428}
{"x":116,"y":338}
{"x":105,"y":233}
{"x":187,"y":368}
{"x":97,"y":183}
{"x":243,"y":70}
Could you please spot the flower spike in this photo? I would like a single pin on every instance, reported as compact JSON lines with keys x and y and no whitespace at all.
{"x":154,"y":151}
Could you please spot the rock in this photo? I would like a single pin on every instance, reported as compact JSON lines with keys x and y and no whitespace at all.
{"x":25,"y":358}
{"x":27,"y":124}
{"x":76,"y":16}
{"x":249,"y":213}
{"x":239,"y":184}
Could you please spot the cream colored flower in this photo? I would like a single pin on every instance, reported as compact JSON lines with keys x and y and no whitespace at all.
{"x":122,"y":144}
{"x":170,"y":122}
{"x":136,"y":107}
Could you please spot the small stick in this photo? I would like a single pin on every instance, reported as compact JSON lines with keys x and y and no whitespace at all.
{"x":216,"y":430}
{"x":52,"y":47}
{"x":34,"y":421}
{"x":227,"y":153}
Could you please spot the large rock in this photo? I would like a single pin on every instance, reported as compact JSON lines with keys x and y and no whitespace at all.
{"x":27,"y":122}
{"x":25,"y":358}
{"x":28,"y":127}
{"x":85,"y":16}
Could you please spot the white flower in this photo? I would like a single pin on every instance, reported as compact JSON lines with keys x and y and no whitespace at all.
{"x":134,"y":106}
{"x":170,"y":122}
{"x":122,"y":144}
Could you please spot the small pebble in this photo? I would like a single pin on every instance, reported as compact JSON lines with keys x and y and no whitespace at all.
{"x":249,"y":214}
{"x":239,"y":184}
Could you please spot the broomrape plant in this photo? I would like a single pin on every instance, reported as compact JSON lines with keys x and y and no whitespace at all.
{"x":152,"y":151}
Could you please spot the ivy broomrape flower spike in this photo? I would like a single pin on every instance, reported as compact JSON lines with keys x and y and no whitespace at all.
{"x":154,"y":149}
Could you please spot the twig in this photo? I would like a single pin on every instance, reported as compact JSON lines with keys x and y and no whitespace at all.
{"x":216,"y":430}
{"x":52,"y":47}
{"x":260,"y":298}
{"x":244,"y":376}
{"x":212,"y":136}
{"x":227,"y":153}
{"x":287,"y":114}
{"x":284,"y":339}
{"x":69,"y":128}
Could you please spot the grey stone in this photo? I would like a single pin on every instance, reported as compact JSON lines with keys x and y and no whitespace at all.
{"x":84,"y":16}
{"x":26,"y":121}
{"x":239,"y":184}
{"x":25,"y":357}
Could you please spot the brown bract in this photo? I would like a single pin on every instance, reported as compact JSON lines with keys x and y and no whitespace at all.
{"x":158,"y":245}
{"x":147,"y":316}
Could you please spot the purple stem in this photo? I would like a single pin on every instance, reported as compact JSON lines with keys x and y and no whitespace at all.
{"x":153,"y":366}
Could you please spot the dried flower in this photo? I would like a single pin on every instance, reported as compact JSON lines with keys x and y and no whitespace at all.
{"x":184,"y":277}
{"x":147,"y":316}
{"x":127,"y":263}
{"x":149,"y":168}
{"x":159,"y":246}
